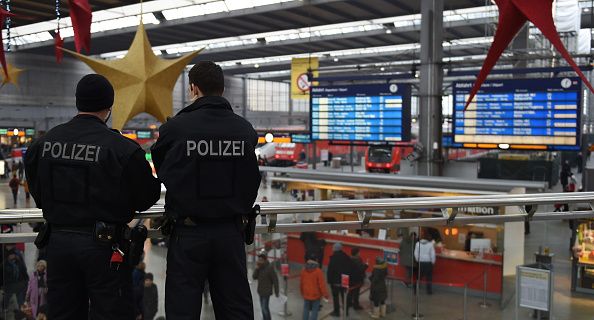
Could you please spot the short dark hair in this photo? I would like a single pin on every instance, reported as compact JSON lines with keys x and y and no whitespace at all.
{"x":208,"y":77}
{"x":149,"y":276}
{"x":354,"y":251}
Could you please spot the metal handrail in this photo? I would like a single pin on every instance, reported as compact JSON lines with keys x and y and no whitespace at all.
{"x":274,"y":208}
{"x":267,"y":208}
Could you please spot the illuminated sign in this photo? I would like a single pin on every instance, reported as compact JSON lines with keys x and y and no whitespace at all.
{"x":536,"y":114}
{"x":144,"y":134}
{"x":300,"y":138}
{"x":369,"y":113}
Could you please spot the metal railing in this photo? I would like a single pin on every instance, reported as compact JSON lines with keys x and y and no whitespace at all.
{"x":528,"y":204}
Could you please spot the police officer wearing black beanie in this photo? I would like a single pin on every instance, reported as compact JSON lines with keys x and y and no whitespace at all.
{"x":89,"y":181}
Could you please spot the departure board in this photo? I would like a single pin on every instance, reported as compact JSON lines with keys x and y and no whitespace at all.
{"x":368,"y":113}
{"x":533,"y":114}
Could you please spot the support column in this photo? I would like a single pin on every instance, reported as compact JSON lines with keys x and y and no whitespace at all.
{"x":520,"y":50}
{"x":290,"y":120}
{"x":430,"y":127}
{"x":244,"y":101}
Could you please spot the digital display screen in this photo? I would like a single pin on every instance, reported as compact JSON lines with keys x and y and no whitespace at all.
{"x":541,"y":114}
{"x":370,"y":113}
{"x":300,"y":138}
{"x":144,"y":134}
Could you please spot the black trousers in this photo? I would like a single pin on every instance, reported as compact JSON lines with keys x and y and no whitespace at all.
{"x":427,"y":273}
{"x":79,"y":276}
{"x":213,"y":252}
{"x":353,"y":296}
{"x":337,"y":297}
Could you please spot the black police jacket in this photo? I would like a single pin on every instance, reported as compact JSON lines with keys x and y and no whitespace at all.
{"x":81,"y":172}
{"x":205,"y":157}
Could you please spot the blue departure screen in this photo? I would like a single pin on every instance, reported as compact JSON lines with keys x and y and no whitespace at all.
{"x":520,"y":113}
{"x":370,"y":113}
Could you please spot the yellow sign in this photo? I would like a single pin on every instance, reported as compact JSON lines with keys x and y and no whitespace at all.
{"x":300,"y":84}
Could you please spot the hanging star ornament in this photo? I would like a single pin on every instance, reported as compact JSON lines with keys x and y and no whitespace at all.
{"x":142,"y":81}
{"x":11,"y":75}
{"x":513,"y":14}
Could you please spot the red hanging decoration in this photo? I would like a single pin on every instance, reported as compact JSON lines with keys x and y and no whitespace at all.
{"x":513,"y":14}
{"x":58,"y":45}
{"x":81,"y":16}
{"x":3,"y":15}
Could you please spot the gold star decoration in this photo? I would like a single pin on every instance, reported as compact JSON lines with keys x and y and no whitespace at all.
{"x":13,"y":75}
{"x":142,"y":81}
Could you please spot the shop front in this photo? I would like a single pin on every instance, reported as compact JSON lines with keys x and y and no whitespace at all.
{"x":583,"y":259}
{"x":16,"y":136}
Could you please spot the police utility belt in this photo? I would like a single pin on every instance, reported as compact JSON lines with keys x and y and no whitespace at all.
{"x":127,"y":243}
{"x":248,"y":223}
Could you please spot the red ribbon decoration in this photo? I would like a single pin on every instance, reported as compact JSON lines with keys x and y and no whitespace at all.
{"x":513,"y":14}
{"x":58,"y":45}
{"x":81,"y":16}
{"x":3,"y":15}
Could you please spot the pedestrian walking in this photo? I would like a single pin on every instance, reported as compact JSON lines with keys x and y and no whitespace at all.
{"x":14,"y":184}
{"x":425,"y":255}
{"x":267,"y":282}
{"x":36,"y":295}
{"x":25,"y":185}
{"x":357,"y":280}
{"x":378,"y":291}
{"x":406,"y":255}
{"x":150,"y":298}
{"x":313,"y":289}
{"x":564,"y":174}
{"x":340,"y":264}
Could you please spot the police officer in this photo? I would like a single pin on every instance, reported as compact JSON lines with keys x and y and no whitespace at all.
{"x":205,"y":157}
{"x":89,"y":181}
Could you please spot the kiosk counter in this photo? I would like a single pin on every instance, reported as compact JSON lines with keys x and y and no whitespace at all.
{"x":453,"y":268}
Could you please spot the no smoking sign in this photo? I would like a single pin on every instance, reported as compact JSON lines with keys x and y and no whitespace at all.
{"x":303,"y":83}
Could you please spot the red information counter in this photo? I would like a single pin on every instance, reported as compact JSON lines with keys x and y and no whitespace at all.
{"x":452,"y":267}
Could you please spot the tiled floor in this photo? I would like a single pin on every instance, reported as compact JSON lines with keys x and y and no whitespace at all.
{"x":443,"y":304}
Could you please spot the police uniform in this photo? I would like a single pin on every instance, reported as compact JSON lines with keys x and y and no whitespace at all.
{"x":205,"y":157}
{"x":79,"y":173}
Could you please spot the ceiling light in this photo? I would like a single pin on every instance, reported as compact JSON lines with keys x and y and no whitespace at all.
{"x":335,"y":59}
{"x":256,"y":66}
{"x":388,"y":31}
{"x":382,"y":69}
{"x":504,"y":146}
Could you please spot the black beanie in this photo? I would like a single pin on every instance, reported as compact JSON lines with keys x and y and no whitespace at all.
{"x":94,"y":93}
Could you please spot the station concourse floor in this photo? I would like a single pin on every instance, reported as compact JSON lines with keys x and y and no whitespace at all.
{"x":443,"y":304}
